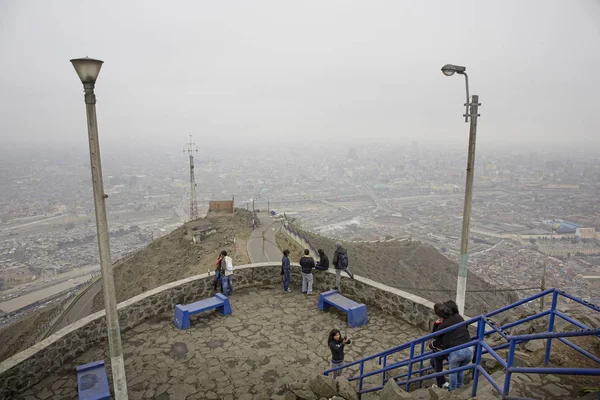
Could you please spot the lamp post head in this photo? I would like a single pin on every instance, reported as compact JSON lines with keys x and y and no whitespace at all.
{"x":450,"y":69}
{"x":87,"y":69}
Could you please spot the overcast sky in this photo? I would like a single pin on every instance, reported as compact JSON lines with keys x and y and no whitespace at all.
{"x":301,"y":70}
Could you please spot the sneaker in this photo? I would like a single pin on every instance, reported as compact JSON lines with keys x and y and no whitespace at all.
{"x":303,"y":292}
{"x":289,"y":290}
{"x":446,"y":385}
{"x":434,"y":386}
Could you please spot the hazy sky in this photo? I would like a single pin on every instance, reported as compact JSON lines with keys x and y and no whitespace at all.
{"x":301,"y":70}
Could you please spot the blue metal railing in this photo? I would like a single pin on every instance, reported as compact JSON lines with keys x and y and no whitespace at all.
{"x":413,"y":364}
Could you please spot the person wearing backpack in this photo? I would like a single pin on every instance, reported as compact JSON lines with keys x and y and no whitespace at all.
{"x":340,"y":262}
{"x":226,"y":274}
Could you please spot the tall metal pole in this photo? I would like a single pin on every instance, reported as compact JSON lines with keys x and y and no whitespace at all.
{"x":110,"y":298}
{"x":193,"y":202}
{"x":461,"y":286}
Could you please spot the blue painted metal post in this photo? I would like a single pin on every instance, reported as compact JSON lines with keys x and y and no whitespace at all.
{"x":360,"y":382}
{"x":551,"y":328}
{"x":480,"y":337}
{"x":385,"y":373}
{"x":421,"y":364}
{"x":409,"y":374}
{"x":509,"y":363}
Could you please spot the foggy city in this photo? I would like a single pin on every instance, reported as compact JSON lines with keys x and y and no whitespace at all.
{"x":263,"y":126}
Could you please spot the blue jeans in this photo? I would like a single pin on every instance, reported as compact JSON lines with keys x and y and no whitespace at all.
{"x":459,"y":358}
{"x":227,"y":285}
{"x":286,"y":279}
{"x":217,"y":281}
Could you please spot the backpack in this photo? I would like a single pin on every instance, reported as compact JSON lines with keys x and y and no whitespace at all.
{"x":343,"y":261}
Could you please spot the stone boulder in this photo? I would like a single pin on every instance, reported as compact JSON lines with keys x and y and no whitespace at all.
{"x":345,"y":390}
{"x":303,"y":391}
{"x":535,"y":345}
{"x":323,"y":386}
{"x":286,"y":396}
{"x":391,"y":391}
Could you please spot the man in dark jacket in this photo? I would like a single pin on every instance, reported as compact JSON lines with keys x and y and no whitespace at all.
{"x":307,"y":263}
{"x":323,"y":263}
{"x":340,"y":262}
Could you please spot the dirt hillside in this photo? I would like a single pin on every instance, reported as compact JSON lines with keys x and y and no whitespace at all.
{"x":416,"y":268}
{"x":175,"y":257}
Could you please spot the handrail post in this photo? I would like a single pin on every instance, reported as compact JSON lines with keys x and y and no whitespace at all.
{"x":551,"y":328}
{"x":409,"y":375}
{"x":421,"y":364}
{"x":509,"y":363}
{"x":383,"y":375}
{"x":480,"y":337}
{"x":360,"y":381}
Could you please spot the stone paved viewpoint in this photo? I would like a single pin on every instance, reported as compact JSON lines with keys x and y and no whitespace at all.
{"x":271,"y":339}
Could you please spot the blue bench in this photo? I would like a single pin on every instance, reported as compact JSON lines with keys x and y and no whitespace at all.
{"x":183,"y":313}
{"x":92,"y":383}
{"x":357,"y":313}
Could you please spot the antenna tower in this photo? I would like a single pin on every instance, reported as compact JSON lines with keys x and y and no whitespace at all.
{"x":191,"y":148}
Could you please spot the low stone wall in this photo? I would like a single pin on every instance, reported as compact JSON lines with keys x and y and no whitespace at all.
{"x":27,"y":368}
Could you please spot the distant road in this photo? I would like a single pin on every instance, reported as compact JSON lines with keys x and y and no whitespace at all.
{"x":81,"y":307}
{"x":255,"y":244}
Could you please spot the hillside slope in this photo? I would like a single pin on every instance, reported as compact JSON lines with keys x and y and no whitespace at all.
{"x":419,"y":269}
{"x":174,"y":256}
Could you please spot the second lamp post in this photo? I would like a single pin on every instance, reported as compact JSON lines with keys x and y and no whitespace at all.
{"x":472,"y":113}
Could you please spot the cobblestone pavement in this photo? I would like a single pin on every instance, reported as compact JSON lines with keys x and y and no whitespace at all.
{"x":271,"y":339}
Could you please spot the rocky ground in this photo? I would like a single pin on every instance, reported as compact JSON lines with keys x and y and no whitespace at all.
{"x":419,"y":269}
{"x":17,"y":336}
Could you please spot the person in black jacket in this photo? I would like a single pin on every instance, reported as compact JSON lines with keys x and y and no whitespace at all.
{"x":336,"y":345}
{"x":323,"y":263}
{"x":437,"y":363}
{"x":307,"y":263}
{"x":456,"y":337}
{"x":340,"y":262}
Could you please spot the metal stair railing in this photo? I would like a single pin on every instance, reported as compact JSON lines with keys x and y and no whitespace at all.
{"x":485,"y":327}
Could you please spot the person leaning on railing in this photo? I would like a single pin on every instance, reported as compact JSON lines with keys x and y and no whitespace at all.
{"x":437,"y":363}
{"x":456,"y":337}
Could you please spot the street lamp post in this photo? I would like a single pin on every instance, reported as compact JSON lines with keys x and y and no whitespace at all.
{"x":472,"y":113}
{"x":88,"y":70}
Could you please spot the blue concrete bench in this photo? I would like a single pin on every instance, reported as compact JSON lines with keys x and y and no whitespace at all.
{"x":357,"y":313}
{"x":183,"y":313}
{"x":92,"y":382}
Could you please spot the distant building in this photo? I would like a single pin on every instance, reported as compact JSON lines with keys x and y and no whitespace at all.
{"x":586,"y":233}
{"x":562,"y":226}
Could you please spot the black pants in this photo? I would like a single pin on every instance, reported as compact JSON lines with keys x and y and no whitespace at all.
{"x":438,"y":365}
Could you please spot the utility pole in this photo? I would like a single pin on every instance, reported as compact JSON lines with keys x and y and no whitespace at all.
{"x":191,"y":148}
{"x":461,"y":286}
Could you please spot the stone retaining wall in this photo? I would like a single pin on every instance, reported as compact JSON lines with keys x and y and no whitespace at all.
{"x":27,"y":368}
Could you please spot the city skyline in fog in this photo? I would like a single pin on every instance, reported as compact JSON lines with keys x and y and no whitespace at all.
{"x":311,"y":72}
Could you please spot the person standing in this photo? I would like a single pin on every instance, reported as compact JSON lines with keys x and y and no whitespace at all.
{"x":286,"y":271}
{"x":336,"y":344}
{"x":217,"y":282}
{"x":340,"y":262}
{"x":323,"y":263}
{"x":456,"y":337}
{"x":437,"y":363}
{"x":307,"y":263}
{"x":226,"y":274}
